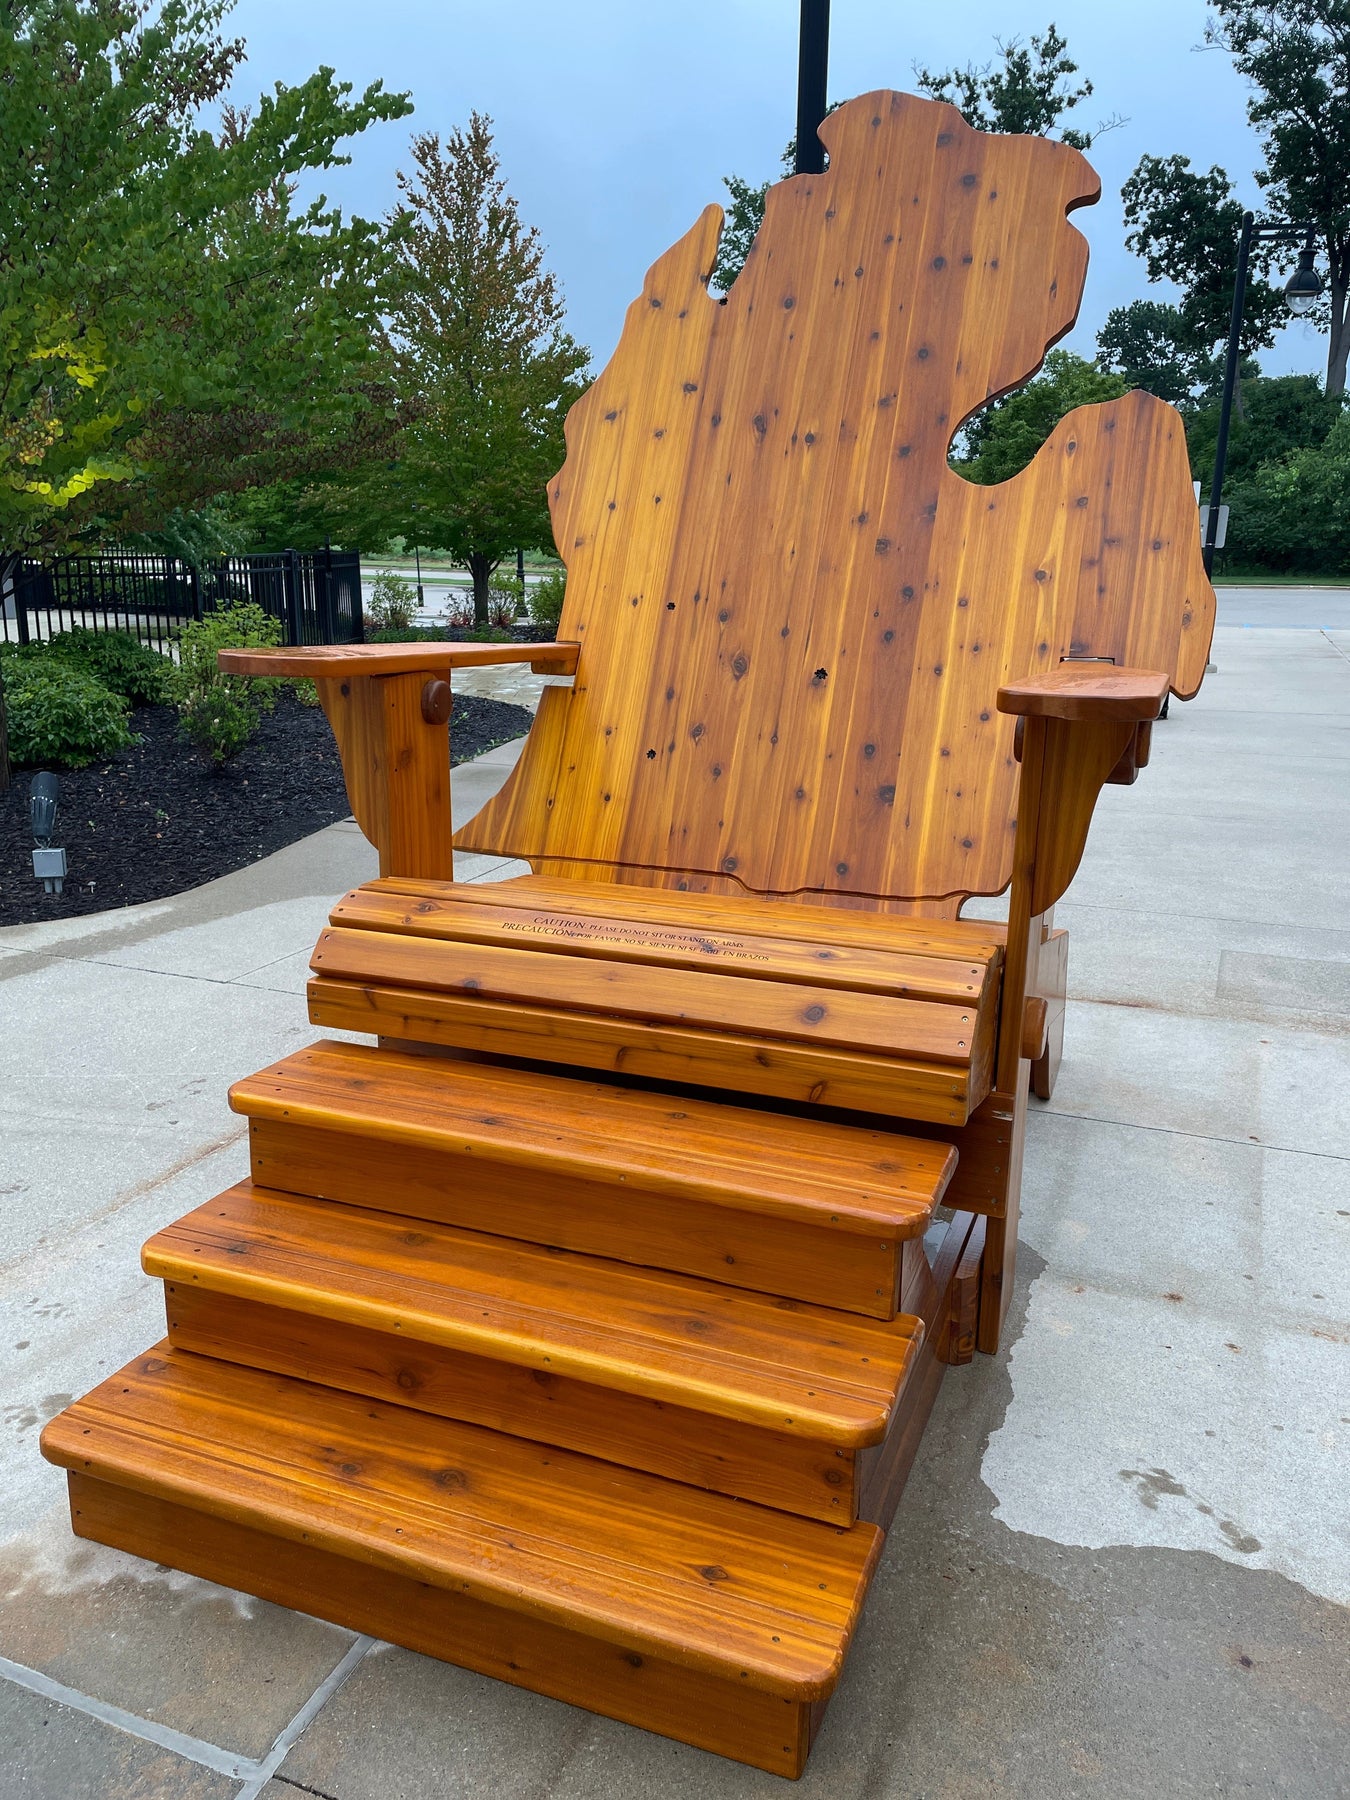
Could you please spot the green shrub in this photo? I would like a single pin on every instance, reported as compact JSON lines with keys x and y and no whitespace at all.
{"x":1293,"y":514}
{"x":58,"y":714}
{"x":117,"y":659}
{"x":219,"y":713}
{"x":220,"y":719}
{"x":506,"y":599}
{"x":392,"y":605}
{"x":545,"y":599}
{"x":407,"y":634}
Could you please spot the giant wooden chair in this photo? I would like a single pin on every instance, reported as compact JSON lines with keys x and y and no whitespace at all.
{"x":582,"y":1331}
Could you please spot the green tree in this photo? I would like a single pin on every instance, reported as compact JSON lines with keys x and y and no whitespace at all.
{"x":1292,"y":513}
{"x":1028,"y":90}
{"x":1280,"y":414}
{"x":483,"y":366}
{"x":1295,"y":56}
{"x":164,"y":305}
{"x":1152,"y":344}
{"x":1002,"y":439}
{"x":1185,"y":225}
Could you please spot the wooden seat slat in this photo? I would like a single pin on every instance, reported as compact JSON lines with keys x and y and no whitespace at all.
{"x":648,"y":1564}
{"x":833,"y":1017}
{"x":759,"y":915}
{"x":726,"y":1061}
{"x":805,"y":1371}
{"x":614,"y":936}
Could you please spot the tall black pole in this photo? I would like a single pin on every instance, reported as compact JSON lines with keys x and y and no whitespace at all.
{"x":1230,"y":370}
{"x":813,"y":57}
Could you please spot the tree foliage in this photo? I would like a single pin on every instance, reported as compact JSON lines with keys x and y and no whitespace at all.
{"x":167,"y":314}
{"x":1154,"y":345}
{"x":1028,"y":90}
{"x":1295,"y":56}
{"x":1293,"y":512}
{"x":1185,"y":225}
{"x":1002,"y":439}
{"x":1280,"y":414}
{"x":482,"y":365}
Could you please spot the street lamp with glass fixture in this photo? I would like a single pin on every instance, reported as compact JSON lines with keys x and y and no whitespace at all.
{"x":1301,"y":293}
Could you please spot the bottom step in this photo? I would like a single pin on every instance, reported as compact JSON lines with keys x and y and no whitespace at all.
{"x":717,"y":1622}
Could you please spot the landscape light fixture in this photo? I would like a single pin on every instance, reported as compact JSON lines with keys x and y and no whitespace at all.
{"x":49,"y":865}
{"x":1303,"y":289}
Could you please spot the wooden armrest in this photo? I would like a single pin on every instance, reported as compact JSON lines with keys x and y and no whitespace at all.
{"x":389,"y":705}
{"x":323,"y":662}
{"x":1089,"y":692}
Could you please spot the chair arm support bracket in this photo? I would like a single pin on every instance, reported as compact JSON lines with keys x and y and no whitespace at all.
{"x":389,"y":706}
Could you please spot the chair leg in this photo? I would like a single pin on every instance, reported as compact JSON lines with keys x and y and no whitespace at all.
{"x":1051,"y":976}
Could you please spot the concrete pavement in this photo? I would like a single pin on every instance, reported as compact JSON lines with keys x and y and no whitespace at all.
{"x":1122,"y":1564}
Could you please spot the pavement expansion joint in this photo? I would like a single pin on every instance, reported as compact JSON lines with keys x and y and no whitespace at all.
{"x":255,"y":1772}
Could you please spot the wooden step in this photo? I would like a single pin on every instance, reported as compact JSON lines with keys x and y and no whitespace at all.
{"x":888,"y":1016}
{"x":710,"y":1385}
{"x":708,"y":1619}
{"x":799,"y":1208}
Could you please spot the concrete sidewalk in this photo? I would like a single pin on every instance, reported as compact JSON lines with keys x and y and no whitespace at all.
{"x":1122,"y":1565}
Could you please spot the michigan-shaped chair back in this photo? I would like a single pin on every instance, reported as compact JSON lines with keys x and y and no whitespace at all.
{"x":794,"y":617}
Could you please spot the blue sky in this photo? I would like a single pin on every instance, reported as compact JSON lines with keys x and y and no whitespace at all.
{"x":616,"y":120}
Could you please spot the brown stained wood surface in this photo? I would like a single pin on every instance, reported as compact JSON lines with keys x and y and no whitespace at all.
{"x":1091,"y":693}
{"x":798,"y":1370}
{"x":469,"y":913}
{"x":828,"y":1264}
{"x":709,"y":1583}
{"x":883,"y":1469}
{"x":865,"y":1181}
{"x":732,"y":1001}
{"x":337,"y":661}
{"x":735,"y":1062}
{"x":397,"y":769}
{"x":755,"y":915}
{"x":794,"y":1474}
{"x":716,"y":1712}
{"x":1052,"y":972}
{"x":794,"y":618}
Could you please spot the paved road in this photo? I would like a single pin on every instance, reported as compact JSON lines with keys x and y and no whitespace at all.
{"x":1121,"y":1567}
{"x":1316,"y":608}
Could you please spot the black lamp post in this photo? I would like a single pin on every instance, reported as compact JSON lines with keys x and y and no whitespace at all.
{"x":813,"y":56}
{"x":1301,"y":293}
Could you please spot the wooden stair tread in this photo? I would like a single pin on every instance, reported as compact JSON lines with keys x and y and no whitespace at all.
{"x":784,"y":1366}
{"x":609,"y":927}
{"x":627,"y":1558}
{"x":815,"y":1171}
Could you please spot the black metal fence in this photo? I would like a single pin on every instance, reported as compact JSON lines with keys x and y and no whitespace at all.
{"x":316,"y":595}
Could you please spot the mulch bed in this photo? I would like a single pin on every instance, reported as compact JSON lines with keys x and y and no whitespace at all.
{"x":156,"y":819}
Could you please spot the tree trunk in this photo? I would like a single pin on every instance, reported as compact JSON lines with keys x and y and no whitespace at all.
{"x":481,"y":567}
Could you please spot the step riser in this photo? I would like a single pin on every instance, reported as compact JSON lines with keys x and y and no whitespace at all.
{"x":830,"y":1266}
{"x":745,"y":1461}
{"x":733,"y":1720}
